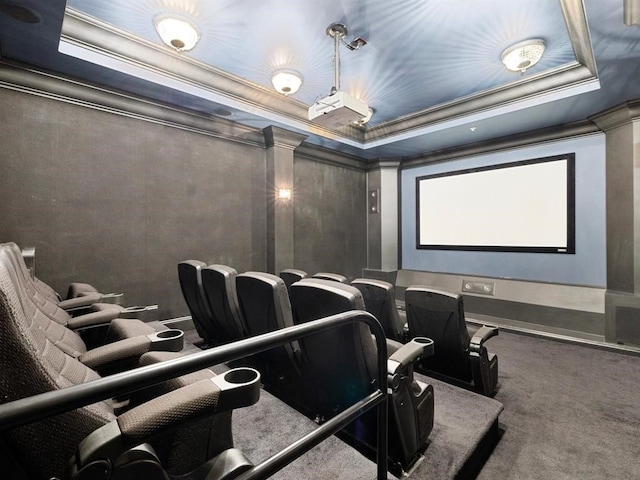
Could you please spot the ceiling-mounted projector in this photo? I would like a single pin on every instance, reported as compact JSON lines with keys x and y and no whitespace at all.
{"x":337,"y":110}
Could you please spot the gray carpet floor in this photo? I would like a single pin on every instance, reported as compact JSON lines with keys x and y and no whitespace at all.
{"x":571,"y":412}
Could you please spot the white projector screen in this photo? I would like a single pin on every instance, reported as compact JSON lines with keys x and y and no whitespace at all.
{"x":526,"y":206}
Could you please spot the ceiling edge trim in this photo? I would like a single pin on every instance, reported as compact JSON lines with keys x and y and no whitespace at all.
{"x":83,"y":32}
{"x":27,"y":80}
{"x":573,"y":74}
{"x":618,"y":115}
{"x":535,"y":137}
{"x":316,"y":153}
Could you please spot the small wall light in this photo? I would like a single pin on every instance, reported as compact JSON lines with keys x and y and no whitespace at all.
{"x":284,"y":193}
{"x":286,"y":82}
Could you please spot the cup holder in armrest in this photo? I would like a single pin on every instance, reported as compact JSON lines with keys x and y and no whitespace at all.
{"x":239,"y":387}
{"x":171,"y":340}
{"x":409,"y":353}
{"x":426,"y":344}
{"x":115,"y":298}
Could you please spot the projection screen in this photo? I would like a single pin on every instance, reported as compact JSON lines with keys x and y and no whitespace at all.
{"x":524,"y":206}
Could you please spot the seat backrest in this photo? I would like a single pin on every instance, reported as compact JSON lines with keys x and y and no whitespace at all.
{"x":264,"y":302}
{"x":265,"y":307}
{"x":334,"y":277}
{"x":380,"y":301}
{"x":190,"y":276}
{"x":342,"y":360}
{"x":221,"y":297}
{"x":64,"y":338}
{"x":291,"y":276}
{"x":440,"y":316}
{"x":30,"y":364}
{"x":48,"y":306}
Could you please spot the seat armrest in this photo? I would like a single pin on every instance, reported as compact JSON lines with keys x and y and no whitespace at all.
{"x":80,"y":302}
{"x":482,"y":335}
{"x":99,"y":358}
{"x":92,"y":319}
{"x":408,"y":354}
{"x":236,"y":388}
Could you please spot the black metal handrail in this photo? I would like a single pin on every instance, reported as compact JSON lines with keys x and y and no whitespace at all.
{"x":47,"y":404}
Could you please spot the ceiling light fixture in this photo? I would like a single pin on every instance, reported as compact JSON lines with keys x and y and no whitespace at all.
{"x":177,"y":33}
{"x":286,"y":82}
{"x":523,"y":55}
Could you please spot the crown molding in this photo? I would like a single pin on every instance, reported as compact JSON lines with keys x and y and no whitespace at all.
{"x":34,"y":82}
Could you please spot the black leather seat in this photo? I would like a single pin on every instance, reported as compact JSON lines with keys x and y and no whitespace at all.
{"x":221,"y":299}
{"x":291,"y":276}
{"x":175,"y":433}
{"x":440,"y":316}
{"x":190,"y":276}
{"x":342,"y":361}
{"x":264,"y":303}
{"x":380,"y":301}
{"x":334,"y":277}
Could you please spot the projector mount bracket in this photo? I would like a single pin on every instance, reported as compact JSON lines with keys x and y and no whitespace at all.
{"x":338,"y":31}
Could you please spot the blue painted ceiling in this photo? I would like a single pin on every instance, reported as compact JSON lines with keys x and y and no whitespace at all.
{"x":422,"y":58}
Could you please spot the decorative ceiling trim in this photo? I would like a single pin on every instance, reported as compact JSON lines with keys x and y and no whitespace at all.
{"x":27,"y":80}
{"x":315,"y":153}
{"x":581,"y":75}
{"x":617,"y":116}
{"x":88,"y":38}
{"x":535,"y":137}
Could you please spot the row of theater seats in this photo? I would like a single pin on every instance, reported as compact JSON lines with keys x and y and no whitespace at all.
{"x":324,"y":373}
{"x":460,"y":355}
{"x":179,"y":427}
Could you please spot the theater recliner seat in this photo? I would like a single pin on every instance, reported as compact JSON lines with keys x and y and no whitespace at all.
{"x":334,"y":277}
{"x":264,"y":303}
{"x":190,"y":277}
{"x":221,"y":297}
{"x":291,"y":276}
{"x":440,"y":316}
{"x":79,"y":294}
{"x":380,"y":301}
{"x":178,"y":425}
{"x":342,"y":362}
{"x":130,"y":338}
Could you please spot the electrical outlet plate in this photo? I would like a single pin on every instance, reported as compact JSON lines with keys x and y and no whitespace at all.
{"x":482,"y":288}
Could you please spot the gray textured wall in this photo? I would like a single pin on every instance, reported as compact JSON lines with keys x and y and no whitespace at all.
{"x":330,"y":225}
{"x":117,"y":201}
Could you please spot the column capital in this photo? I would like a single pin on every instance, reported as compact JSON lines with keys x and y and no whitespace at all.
{"x":617,"y":116}
{"x":279,"y":137}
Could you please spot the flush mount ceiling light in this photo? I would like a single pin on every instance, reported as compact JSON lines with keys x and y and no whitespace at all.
{"x":286,"y":82}
{"x":177,"y":33}
{"x":523,"y":55}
